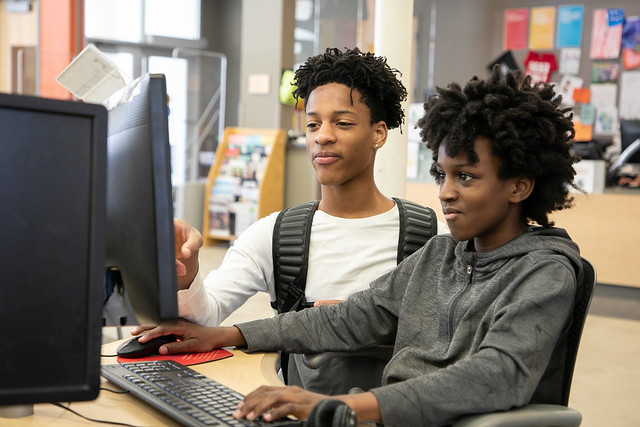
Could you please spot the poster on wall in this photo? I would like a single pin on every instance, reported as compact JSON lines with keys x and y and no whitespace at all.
{"x":570,"y":60}
{"x":583,"y":132}
{"x":629,"y":99}
{"x":541,"y":29}
{"x":631,"y":42}
{"x":603,"y":98}
{"x":606,"y":33}
{"x":516,"y":26}
{"x":605,"y":71}
{"x":567,"y":86}
{"x":606,"y":120}
{"x":570,"y":26}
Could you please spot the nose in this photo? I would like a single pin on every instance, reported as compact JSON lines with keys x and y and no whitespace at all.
{"x":325,"y":134}
{"x":446,"y":191}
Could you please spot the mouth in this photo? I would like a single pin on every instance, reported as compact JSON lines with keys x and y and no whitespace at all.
{"x":450,"y":214}
{"x":325,"y":158}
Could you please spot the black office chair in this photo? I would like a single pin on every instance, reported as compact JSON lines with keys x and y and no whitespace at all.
{"x":549,"y":415}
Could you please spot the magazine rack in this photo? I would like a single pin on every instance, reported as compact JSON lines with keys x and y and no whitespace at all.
{"x":245,"y":182}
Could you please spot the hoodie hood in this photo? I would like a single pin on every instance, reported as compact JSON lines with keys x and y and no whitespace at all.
{"x":552,"y":239}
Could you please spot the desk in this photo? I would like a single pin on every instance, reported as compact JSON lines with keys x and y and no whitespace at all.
{"x":605,"y":226}
{"x":242,"y":372}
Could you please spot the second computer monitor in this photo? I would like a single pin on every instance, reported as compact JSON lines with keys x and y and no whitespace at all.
{"x":52,"y":216}
{"x":140,"y":236}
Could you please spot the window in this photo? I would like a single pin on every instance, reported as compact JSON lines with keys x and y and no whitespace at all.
{"x":138,"y":21}
{"x":139,"y":36}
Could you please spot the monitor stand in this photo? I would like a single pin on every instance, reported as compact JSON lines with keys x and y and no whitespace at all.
{"x":117,"y":310}
{"x":16,"y":411}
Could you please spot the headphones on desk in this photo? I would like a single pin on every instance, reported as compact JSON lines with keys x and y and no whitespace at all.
{"x":331,"y":413}
{"x":326,"y":413}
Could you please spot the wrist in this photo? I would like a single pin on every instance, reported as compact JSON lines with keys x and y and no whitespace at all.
{"x":184,"y":282}
{"x":365,"y":405}
{"x":233,"y":337}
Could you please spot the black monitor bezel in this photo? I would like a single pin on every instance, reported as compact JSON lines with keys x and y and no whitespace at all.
{"x":150,"y":305}
{"x":88,"y":388}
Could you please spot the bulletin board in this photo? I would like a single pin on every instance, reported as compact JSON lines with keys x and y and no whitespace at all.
{"x":590,"y":50}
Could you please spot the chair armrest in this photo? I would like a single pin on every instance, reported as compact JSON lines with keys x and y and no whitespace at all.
{"x":533,"y":415}
{"x":314,"y":361}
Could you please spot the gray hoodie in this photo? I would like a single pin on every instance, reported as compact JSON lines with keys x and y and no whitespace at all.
{"x":473,"y":332}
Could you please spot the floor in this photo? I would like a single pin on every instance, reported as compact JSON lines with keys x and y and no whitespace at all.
{"x":606,"y":382}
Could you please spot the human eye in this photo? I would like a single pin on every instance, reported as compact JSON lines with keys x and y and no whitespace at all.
{"x":344,"y":124}
{"x":438,"y":176}
{"x":312,"y":126}
{"x":465,"y":177}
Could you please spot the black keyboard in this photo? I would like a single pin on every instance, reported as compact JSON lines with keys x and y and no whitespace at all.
{"x":181,"y":393}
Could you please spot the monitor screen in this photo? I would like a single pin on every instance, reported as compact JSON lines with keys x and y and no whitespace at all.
{"x":140,"y":237}
{"x":629,"y":132}
{"x":53,"y":175}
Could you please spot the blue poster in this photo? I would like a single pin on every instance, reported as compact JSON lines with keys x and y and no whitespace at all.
{"x":570,"y":26}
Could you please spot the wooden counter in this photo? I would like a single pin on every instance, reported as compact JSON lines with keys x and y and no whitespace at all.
{"x":605,"y":226}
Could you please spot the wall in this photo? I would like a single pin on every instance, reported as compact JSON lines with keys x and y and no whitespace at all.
{"x":463,"y":34}
{"x":221,"y":26}
{"x":61,"y":39}
{"x":266,"y":49}
{"x":16,"y":29}
{"x":257,"y":38}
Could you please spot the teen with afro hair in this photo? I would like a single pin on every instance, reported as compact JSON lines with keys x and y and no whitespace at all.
{"x":528,"y":132}
{"x":480,"y":316}
{"x":351,"y":100}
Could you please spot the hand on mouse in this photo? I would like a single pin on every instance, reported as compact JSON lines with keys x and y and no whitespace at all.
{"x":193,"y":338}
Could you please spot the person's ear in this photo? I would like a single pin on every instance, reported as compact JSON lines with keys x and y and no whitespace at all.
{"x":522,"y":188}
{"x":380,"y":134}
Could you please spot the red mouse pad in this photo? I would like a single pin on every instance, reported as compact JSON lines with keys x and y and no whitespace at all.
{"x":184,"y":358}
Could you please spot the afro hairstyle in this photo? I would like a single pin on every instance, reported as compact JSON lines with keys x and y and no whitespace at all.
{"x":528,"y":130}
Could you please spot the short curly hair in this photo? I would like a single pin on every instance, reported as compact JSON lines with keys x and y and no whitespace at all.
{"x":371,"y":76}
{"x":528,"y":130}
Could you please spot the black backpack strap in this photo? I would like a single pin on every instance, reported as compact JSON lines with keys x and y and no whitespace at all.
{"x":290,"y":249}
{"x":417,"y":225}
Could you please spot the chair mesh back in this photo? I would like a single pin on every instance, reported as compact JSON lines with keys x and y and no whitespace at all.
{"x":583,"y":300}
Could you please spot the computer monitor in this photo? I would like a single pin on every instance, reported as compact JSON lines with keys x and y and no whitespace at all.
{"x":629,"y":133}
{"x":140,"y":234}
{"x":53,"y":185}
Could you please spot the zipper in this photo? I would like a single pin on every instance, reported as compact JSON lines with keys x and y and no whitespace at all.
{"x":458,"y":297}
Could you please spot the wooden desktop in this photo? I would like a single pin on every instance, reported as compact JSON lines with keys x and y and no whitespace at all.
{"x":242,"y":372}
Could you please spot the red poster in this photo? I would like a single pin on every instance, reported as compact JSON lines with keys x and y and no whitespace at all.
{"x":516,"y":23}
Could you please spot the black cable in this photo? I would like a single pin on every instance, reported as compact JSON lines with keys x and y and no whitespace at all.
{"x":114,"y":391}
{"x":60,"y":405}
